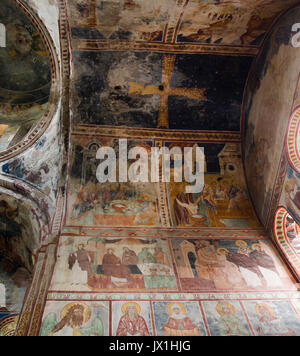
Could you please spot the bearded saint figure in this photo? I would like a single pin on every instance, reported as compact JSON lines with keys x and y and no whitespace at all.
{"x":132,"y":323}
{"x":74,"y":317}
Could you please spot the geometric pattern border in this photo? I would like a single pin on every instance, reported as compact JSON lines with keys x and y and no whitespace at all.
{"x":292,"y":140}
{"x":283,"y":241}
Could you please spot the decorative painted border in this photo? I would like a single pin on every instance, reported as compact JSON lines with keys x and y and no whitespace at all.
{"x":44,"y":122}
{"x":191,"y":48}
{"x":73,"y":296}
{"x":282,"y":240}
{"x":159,"y":134}
{"x":8,"y":325}
{"x":292,"y":148}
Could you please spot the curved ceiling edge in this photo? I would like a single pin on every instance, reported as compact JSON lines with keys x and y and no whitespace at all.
{"x":38,"y":130}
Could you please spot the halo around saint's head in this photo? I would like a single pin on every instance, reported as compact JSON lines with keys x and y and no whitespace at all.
{"x":241,"y":243}
{"x":131,"y":304}
{"x":265,"y":306}
{"x":170,"y":307}
{"x":227,"y":305}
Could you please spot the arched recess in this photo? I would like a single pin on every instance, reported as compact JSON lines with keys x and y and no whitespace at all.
{"x":26,"y":109}
{"x":293,"y":140}
{"x":23,"y":230}
{"x":287,"y":236}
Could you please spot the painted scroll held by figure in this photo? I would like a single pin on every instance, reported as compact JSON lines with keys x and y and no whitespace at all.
{"x":179,"y":324}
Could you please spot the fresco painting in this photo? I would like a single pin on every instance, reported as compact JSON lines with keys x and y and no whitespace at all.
{"x":226,"y":318}
{"x":25,"y":76}
{"x":75,"y":319}
{"x":229,"y":265}
{"x":229,"y":22}
{"x":126,"y":20}
{"x":155,"y":90}
{"x":131,"y":319}
{"x":273,"y":318}
{"x":149,"y":259}
{"x":223,"y":202}
{"x":178,"y":319}
{"x":113,"y":264}
{"x":91,"y":203}
{"x":293,"y":233}
{"x":266,"y":114}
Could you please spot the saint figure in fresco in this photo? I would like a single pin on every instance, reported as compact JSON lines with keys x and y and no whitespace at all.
{"x":132,"y":323}
{"x":179,"y":324}
{"x":83,"y":259}
{"x":269,"y":324}
{"x":73,"y":318}
{"x":229,"y":323}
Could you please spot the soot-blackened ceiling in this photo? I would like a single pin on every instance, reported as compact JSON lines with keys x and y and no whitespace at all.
{"x":173,"y":64}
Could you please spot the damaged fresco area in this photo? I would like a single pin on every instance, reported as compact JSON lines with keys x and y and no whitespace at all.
{"x":91,"y":203}
{"x":194,"y":265}
{"x":155,"y":90}
{"x":97,"y":264}
{"x":17,"y":246}
{"x":267,"y":111}
{"x":134,"y":20}
{"x":230,"y":22}
{"x":41,"y":163}
{"x":25,"y":76}
{"x":199,"y":21}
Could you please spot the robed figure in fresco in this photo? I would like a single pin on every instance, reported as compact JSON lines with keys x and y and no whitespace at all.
{"x":132,"y":323}
{"x":113,"y":267}
{"x":179,"y":324}
{"x":269,"y":324}
{"x":229,"y":323}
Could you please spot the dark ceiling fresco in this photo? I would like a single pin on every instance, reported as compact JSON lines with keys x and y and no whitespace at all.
{"x":203,"y":92}
{"x":144,"y":64}
{"x":24,"y":75}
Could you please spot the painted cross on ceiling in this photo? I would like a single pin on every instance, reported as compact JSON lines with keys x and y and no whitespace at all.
{"x":165,"y":90}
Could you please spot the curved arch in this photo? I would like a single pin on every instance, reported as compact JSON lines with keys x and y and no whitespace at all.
{"x":38,"y":129}
{"x":293,"y":140}
{"x":282,"y":225}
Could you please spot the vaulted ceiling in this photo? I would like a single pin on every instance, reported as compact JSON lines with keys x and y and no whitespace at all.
{"x":177,"y":64}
